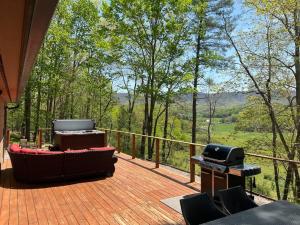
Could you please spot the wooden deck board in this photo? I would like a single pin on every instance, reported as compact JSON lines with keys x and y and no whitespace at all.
{"x":131,"y":196}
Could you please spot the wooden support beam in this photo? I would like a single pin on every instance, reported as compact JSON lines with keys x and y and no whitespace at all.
{"x":192,"y":164}
{"x":133,"y":146}
{"x":118,"y":137}
{"x":157,"y":153}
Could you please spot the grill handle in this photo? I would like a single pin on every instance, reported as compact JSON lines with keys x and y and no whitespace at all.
{"x":214,"y":160}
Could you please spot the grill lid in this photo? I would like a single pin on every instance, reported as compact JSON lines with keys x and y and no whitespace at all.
{"x":222,"y":154}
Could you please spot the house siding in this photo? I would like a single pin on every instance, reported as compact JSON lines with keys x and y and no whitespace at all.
{"x":2,"y":129}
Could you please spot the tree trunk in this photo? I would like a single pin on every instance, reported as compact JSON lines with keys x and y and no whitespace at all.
{"x":53,"y":115}
{"x":296,"y":148}
{"x":27,"y":110}
{"x":165,"y":132}
{"x":144,"y":130}
{"x":297,"y":182}
{"x":72,"y":106}
{"x":269,"y":99}
{"x":209,"y":120}
{"x":195,"y":92}
{"x":288,"y":180}
{"x":130,"y":112}
{"x":88,"y":107}
{"x":38,"y":106}
{"x":275,"y":163}
{"x":149,"y":133}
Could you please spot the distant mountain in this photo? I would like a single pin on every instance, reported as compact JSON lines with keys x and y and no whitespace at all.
{"x":225,"y":99}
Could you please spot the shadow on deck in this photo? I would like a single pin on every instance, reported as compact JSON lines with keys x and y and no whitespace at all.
{"x":131,"y":196}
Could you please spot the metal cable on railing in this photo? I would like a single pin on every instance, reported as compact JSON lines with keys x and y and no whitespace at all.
{"x":197,"y":144}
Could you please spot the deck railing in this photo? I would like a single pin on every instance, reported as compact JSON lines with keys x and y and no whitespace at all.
{"x":192,"y":149}
{"x":157,"y":142}
{"x":192,"y":152}
{"x":192,"y":146}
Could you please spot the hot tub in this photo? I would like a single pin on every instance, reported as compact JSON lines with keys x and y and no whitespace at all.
{"x":76,"y":134}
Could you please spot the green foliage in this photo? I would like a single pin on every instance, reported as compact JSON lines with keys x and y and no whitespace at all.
{"x":70,"y":77}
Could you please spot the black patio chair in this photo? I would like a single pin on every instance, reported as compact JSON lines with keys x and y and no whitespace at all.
{"x":235,"y":200}
{"x":199,"y":208}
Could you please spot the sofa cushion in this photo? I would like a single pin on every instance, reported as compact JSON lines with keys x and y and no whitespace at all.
{"x":88,"y":162}
{"x":43,"y":152}
{"x":28,"y":151}
{"x":44,"y":167}
{"x":76,"y":151}
{"x":103,"y":149}
{"x":14,"y":148}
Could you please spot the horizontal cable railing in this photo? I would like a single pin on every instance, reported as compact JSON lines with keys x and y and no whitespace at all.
{"x":39,"y":143}
{"x":197,"y":144}
{"x":154,"y":137}
{"x":131,"y":142}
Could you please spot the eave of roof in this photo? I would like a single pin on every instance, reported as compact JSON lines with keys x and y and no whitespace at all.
{"x":23,"y":25}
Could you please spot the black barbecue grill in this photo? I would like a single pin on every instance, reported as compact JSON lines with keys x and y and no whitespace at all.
{"x":224,"y":155}
{"x":223,"y":167}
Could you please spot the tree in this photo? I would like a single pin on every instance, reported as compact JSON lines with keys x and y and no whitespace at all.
{"x":212,"y":96}
{"x":287,"y":14}
{"x":207,"y":44}
{"x":151,"y":34}
{"x":262,"y":63}
{"x":70,"y":78}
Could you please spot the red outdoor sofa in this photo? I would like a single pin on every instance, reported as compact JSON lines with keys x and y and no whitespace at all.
{"x":41,"y":166}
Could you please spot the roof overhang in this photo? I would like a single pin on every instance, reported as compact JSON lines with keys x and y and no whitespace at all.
{"x":23,"y":25}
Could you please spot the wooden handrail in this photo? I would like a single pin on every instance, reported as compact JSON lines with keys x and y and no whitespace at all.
{"x":153,"y":137}
{"x":192,"y":147}
{"x":201,"y":145}
{"x":272,"y":158}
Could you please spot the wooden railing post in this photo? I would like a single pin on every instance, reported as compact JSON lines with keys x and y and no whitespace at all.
{"x":7,"y":137}
{"x":192,"y":165}
{"x":40,"y":138}
{"x":133,"y":146}
{"x":118,"y":141}
{"x":157,"y":153}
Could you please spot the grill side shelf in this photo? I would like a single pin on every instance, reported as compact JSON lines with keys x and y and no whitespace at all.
{"x":238,"y":170}
{"x":244,"y":170}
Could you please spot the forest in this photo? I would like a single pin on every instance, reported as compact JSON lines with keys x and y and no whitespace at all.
{"x":200,"y":71}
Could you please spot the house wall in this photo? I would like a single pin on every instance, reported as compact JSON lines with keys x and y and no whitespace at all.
{"x":2,"y":126}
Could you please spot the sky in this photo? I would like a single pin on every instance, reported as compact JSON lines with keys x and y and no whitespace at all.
{"x":243,"y":21}
{"x":243,"y":16}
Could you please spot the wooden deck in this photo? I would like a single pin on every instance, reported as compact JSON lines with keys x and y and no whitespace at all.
{"x":131,"y":196}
